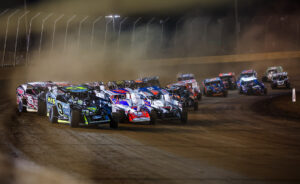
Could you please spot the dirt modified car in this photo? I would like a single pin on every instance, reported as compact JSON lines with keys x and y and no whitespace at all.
{"x":229,"y":80}
{"x":214,"y":87}
{"x":184,"y":95}
{"x":245,"y":74}
{"x":31,"y":96}
{"x":190,"y":82}
{"x":251,"y":86}
{"x":147,"y":82}
{"x":280,"y":80}
{"x":267,"y":77}
{"x":160,"y":103}
{"x":79,"y":106}
{"x":130,"y":107}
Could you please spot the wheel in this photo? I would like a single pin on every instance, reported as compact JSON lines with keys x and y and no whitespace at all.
{"x":53,"y":114}
{"x":153,"y":117}
{"x":21,"y":107}
{"x":225,"y":93}
{"x":122,"y":117}
{"x":42,"y":107}
{"x":75,"y":118}
{"x":184,"y":116}
{"x":288,"y":85}
{"x":273,"y":86}
{"x":114,"y":122}
{"x":196,"y":106}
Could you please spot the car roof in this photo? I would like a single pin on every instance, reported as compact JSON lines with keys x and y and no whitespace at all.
{"x":226,"y":74}
{"x":248,"y":79}
{"x":248,"y":71}
{"x":119,"y":91}
{"x":75,"y":89}
{"x":280,"y":74}
{"x":213,"y":79}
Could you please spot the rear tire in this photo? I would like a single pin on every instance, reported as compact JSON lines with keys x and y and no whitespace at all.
{"x":53,"y":114}
{"x":264,"y":79}
{"x":199,"y":96}
{"x":184,"y":116}
{"x":42,"y":109}
{"x":153,"y":117}
{"x":114,"y":122}
{"x":75,"y":118}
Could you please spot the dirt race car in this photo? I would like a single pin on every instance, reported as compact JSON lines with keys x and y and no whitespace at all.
{"x":79,"y":106}
{"x":190,"y":82}
{"x":246,"y":73}
{"x":280,"y":80}
{"x":251,"y":86}
{"x":229,"y":80}
{"x":184,"y":95}
{"x":214,"y":87}
{"x":267,"y":77}
{"x":130,"y":107}
{"x":31,"y":96}
{"x":160,"y":103}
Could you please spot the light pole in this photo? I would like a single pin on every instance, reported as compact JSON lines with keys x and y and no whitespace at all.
{"x":66,"y":34}
{"x":133,"y":30}
{"x":54,"y":29}
{"x":6,"y":32}
{"x":17,"y":34}
{"x":162,"y":28}
{"x":176,"y":29}
{"x":42,"y":30}
{"x":79,"y":30}
{"x":147,"y":28}
{"x":237,"y":25}
{"x":28,"y":36}
{"x":105,"y":34}
{"x":93,"y":28}
{"x":120,"y":28}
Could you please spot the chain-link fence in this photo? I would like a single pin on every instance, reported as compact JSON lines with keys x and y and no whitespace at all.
{"x":24,"y":35}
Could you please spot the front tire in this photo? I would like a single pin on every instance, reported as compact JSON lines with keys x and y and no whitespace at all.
{"x":21,"y":107}
{"x":184,"y":116}
{"x":153,"y":117}
{"x":114,"y":122}
{"x":75,"y":118}
{"x":53,"y":114}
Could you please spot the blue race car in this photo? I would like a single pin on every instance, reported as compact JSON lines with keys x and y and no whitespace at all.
{"x":77,"y":105}
{"x":246,"y":73}
{"x":214,"y":87}
{"x":251,"y":86}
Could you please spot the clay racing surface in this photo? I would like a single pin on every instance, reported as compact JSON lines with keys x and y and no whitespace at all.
{"x":226,"y":141}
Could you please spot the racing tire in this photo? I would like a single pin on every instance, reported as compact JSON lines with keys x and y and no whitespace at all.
{"x":184,"y":116}
{"x":288,"y":85}
{"x":249,"y":91}
{"x":53,"y":114}
{"x":21,"y":107}
{"x":196,"y":106}
{"x":153,"y":117}
{"x":42,"y":107}
{"x":75,"y":118}
{"x":114,"y":122}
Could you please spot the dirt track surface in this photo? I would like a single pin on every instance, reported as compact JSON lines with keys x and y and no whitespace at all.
{"x":226,"y":141}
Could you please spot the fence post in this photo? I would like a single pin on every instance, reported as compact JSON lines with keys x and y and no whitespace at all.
{"x":54,"y":29}
{"x":66,"y":33}
{"x":79,"y":30}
